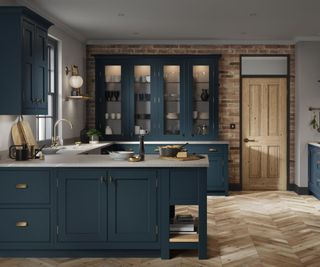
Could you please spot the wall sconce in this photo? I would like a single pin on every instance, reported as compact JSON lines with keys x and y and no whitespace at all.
{"x":75,"y":80}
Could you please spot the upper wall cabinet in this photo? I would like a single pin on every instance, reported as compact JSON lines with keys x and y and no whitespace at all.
{"x":171,"y":97}
{"x":24,"y":62}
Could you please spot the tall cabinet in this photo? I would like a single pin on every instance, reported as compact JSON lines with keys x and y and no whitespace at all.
{"x":24,"y":60}
{"x":172,"y":98}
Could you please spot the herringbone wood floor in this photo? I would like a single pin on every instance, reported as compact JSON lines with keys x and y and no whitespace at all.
{"x":247,"y":229}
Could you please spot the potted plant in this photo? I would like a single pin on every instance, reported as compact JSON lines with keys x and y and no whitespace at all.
{"x":93,"y":135}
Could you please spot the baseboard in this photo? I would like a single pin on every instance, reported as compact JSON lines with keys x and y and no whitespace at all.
{"x":299,"y":190}
{"x":235,"y":187}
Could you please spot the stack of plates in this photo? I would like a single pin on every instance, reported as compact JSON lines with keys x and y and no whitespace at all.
{"x":203,"y":115}
{"x":172,"y":116}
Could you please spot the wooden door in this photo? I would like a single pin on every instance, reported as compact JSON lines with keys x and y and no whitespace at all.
{"x":264,"y":133}
{"x":132,"y":206}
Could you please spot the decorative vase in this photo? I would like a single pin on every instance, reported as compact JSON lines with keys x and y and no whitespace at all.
{"x":204,"y":95}
{"x":94,"y":139}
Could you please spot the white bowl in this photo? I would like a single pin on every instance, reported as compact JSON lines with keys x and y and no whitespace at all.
{"x":50,"y":150}
{"x":121,"y":155}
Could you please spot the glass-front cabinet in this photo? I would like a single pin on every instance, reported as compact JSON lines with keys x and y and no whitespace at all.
{"x":166,"y":97}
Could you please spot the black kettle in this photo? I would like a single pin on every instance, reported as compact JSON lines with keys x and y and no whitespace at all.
{"x":19,"y":152}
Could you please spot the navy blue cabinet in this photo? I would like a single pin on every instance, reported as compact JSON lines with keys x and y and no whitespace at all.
{"x":82,"y":206}
{"x":217,"y":173}
{"x":23,"y":65}
{"x":132,"y":202}
{"x":314,"y":170}
{"x":172,"y":97}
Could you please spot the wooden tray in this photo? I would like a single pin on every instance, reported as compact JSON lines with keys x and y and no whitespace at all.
{"x":190,"y":157}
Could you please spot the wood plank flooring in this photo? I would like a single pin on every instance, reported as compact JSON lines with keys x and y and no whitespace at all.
{"x":245,"y":229}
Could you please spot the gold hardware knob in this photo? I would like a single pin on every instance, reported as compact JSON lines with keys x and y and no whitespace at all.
{"x":21,"y":186}
{"x":213,"y":150}
{"x":22,"y":224}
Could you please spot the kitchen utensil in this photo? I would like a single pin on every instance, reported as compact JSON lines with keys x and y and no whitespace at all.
{"x":203,"y":130}
{"x":121,"y":155}
{"x":19,"y":152}
{"x":170,"y":150}
{"x":16,"y":133}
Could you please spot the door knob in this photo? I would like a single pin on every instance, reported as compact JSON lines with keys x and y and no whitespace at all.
{"x":246,"y":140}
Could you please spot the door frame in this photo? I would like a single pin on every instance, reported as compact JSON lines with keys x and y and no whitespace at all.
{"x":288,"y":108}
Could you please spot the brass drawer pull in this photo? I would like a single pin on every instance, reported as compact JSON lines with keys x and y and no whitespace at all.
{"x":22,"y":224}
{"x":21,"y":186}
{"x":213,"y":150}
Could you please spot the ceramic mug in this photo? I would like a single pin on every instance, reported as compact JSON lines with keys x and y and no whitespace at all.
{"x":113,"y":116}
{"x":118,"y":116}
{"x":107,"y":116}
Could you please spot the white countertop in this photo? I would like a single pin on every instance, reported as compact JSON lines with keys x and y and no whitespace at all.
{"x":104,"y":161}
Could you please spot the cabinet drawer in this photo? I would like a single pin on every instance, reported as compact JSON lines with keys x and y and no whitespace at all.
{"x":183,"y":186}
{"x":24,"y":225}
{"x":20,"y":187}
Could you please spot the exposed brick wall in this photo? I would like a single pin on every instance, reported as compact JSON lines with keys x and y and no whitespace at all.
{"x":229,"y":91}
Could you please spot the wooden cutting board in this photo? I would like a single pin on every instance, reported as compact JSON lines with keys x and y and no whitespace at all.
{"x":28,"y":135}
{"x":190,"y":157}
{"x":16,"y":133}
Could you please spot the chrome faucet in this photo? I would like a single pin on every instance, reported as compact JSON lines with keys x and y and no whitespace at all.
{"x":55,"y":141}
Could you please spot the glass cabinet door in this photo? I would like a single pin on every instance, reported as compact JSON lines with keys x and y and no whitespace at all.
{"x":112,"y":100}
{"x":171,"y":100}
{"x":142,"y":99}
{"x":201,"y":100}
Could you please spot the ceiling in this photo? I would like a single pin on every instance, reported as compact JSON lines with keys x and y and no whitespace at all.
{"x":206,"y":20}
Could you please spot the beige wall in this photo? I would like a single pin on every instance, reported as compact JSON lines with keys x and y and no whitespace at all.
{"x":229,"y":91}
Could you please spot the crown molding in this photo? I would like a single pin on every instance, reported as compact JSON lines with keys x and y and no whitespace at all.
{"x":191,"y":42}
{"x":57,"y":23}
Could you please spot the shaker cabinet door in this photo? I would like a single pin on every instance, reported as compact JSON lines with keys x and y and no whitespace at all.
{"x":132,"y":206}
{"x":81,"y":206}
{"x":216,"y":176}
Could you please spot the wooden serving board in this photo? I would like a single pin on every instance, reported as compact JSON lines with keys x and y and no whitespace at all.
{"x":28,"y":135}
{"x":190,"y":157}
{"x":17,"y":135}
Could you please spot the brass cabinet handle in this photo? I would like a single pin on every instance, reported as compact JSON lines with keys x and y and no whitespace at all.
{"x":21,"y":186}
{"x":213,"y":150}
{"x":22,"y":224}
{"x":246,"y":140}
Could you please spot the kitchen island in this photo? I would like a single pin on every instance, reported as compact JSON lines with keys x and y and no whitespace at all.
{"x":73,"y":204}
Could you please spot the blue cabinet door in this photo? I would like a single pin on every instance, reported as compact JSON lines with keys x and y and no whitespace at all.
{"x":314,"y":170}
{"x":132,"y":208}
{"x":82,"y":206}
{"x":217,"y":180}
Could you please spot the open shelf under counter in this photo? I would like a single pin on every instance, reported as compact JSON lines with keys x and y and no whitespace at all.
{"x":184,"y":238}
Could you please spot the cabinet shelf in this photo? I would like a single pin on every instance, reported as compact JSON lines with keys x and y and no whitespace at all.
{"x":182,"y":238}
{"x":78,"y":97}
